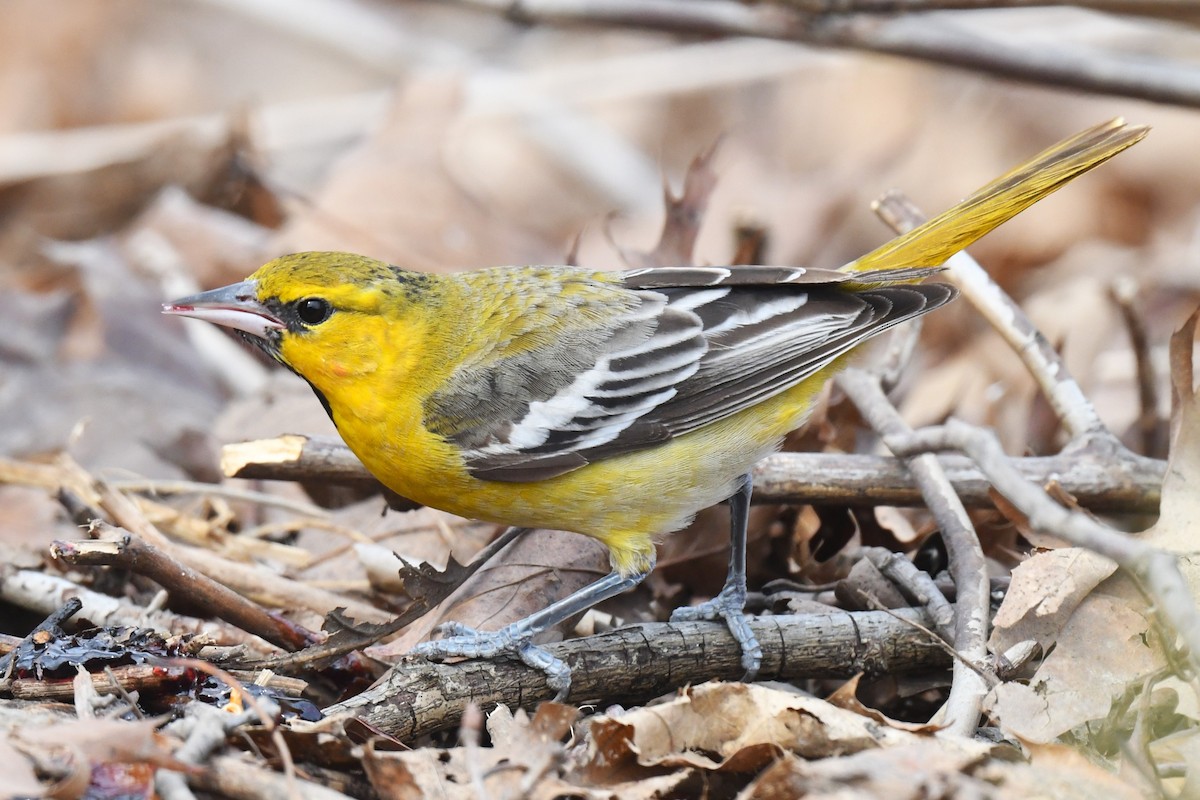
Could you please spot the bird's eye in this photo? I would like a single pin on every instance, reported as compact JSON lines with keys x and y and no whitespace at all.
{"x":313,"y":310}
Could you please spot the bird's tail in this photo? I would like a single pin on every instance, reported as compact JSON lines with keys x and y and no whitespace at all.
{"x":930,"y":244}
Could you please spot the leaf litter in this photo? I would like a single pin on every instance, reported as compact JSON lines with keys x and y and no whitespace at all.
{"x":114,"y":215}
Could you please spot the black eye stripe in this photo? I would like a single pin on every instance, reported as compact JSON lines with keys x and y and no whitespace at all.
{"x":312,"y":310}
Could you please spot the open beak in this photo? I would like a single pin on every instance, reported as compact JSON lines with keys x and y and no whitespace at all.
{"x":235,"y":306}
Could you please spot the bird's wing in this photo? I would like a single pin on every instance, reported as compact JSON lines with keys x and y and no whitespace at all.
{"x":671,"y":351}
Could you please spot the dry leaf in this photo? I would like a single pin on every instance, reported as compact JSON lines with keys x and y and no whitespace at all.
{"x":515,"y":733}
{"x":1175,"y":530}
{"x":912,"y":771}
{"x":527,"y":759}
{"x":684,"y":217}
{"x":1182,"y":747}
{"x":846,"y":696}
{"x":528,"y":575}
{"x":19,"y":778}
{"x":104,"y":740}
{"x":1104,"y":648}
{"x":733,"y":727}
{"x":1058,"y":771}
{"x":939,"y":768}
{"x":1109,"y":646}
{"x":103,"y":196}
{"x":408,"y":776}
{"x":1046,"y":588}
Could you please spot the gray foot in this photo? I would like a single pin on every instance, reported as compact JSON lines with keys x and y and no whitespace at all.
{"x":729,"y":605}
{"x":465,"y":642}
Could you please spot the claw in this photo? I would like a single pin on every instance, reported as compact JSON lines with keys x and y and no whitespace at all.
{"x":463,"y":641}
{"x":730,"y":606}
{"x":517,"y":639}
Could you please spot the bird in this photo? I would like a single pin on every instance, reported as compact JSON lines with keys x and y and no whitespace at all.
{"x":615,"y":404}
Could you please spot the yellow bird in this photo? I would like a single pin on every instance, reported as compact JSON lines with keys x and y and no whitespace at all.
{"x":613,"y":404}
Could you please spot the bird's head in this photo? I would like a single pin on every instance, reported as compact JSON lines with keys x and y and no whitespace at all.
{"x":330,"y":317}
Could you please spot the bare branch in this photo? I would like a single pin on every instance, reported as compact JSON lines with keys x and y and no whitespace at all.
{"x":122,"y":549}
{"x":296,"y":458}
{"x":917,"y":585}
{"x":256,"y":582}
{"x":43,"y":593}
{"x":920,"y":36}
{"x":1154,"y":8}
{"x":640,"y":662}
{"x":1152,"y":429}
{"x":1158,"y":571}
{"x":1043,"y":362}
{"x":1121,"y":482}
{"x":967,"y":565}
{"x":233,"y":776}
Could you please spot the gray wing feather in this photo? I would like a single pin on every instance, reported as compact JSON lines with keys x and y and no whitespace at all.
{"x":697,"y":345}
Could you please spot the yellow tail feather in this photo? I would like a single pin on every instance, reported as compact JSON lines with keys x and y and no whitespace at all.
{"x":930,"y":244}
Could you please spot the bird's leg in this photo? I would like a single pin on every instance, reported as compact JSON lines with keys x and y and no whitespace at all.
{"x":730,"y":604}
{"x":466,"y":642}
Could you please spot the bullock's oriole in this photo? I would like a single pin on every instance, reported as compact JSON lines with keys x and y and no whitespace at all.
{"x":614,"y":404}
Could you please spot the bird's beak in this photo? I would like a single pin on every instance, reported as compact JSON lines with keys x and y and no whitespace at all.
{"x":236,"y":306}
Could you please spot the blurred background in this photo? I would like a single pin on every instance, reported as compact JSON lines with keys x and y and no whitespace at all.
{"x":151,"y":149}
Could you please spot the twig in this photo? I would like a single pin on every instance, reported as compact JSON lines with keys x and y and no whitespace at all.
{"x":1156,"y":570}
{"x":257,"y":583}
{"x":967,"y":564}
{"x":123,"y":549}
{"x":917,"y":585}
{"x":294,"y":457}
{"x":639,"y":662}
{"x":232,"y":776}
{"x":188,"y":529}
{"x":204,"y":728}
{"x":40,"y":592}
{"x":1100,"y":482}
{"x":218,"y":490}
{"x":918,"y":36}
{"x":1146,"y":7}
{"x":1151,"y":427}
{"x":1043,"y":362}
{"x":349,"y":639}
{"x":934,"y":636}
{"x":262,"y":709}
{"x":143,"y":677}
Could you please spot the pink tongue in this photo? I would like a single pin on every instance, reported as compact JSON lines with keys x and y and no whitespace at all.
{"x":238,"y":319}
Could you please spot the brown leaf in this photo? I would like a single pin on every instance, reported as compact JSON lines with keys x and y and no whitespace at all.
{"x":684,"y":216}
{"x":1058,"y":771}
{"x":48,"y":202}
{"x":528,"y":575}
{"x":534,"y":745}
{"x":846,"y":696}
{"x":1104,"y":648}
{"x":733,"y":727}
{"x":528,"y":758}
{"x":1175,"y":529}
{"x":398,"y":777}
{"x":1109,"y":646}
{"x":942,"y":768}
{"x":105,"y":740}
{"x":900,"y":773}
{"x":1044,"y":592}
{"x":427,"y":584}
